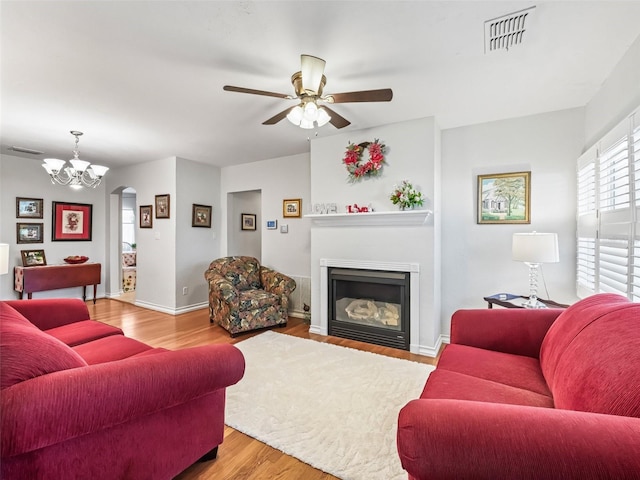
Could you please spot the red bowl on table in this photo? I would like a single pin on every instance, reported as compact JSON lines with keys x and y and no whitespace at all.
{"x":76,"y":259}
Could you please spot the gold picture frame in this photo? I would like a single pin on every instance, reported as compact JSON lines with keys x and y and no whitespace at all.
{"x":504,"y":198}
{"x":291,"y":208}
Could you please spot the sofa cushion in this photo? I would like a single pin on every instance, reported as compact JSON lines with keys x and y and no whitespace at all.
{"x":27,"y":352}
{"x":109,"y":349}
{"x":568,"y":325}
{"x":445,"y":384}
{"x":600,"y":369}
{"x":514,"y":370}
{"x":81,"y":332}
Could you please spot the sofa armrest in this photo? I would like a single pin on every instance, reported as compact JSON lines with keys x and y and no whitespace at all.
{"x":46,"y":313}
{"x":276,"y":282}
{"x":222,"y":289}
{"x":75,"y":402}
{"x":460,"y":439}
{"x":519,"y":331}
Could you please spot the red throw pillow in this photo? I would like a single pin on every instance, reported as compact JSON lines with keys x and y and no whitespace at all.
{"x":27,"y":352}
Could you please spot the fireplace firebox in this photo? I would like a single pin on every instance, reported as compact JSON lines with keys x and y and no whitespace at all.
{"x":370,"y":306}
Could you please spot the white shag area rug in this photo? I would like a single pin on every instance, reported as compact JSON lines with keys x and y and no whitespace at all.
{"x":332,"y":407}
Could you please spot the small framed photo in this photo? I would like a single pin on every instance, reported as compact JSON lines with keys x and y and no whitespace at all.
{"x":71,"y":222}
{"x":29,"y":232}
{"x":272,"y":224}
{"x":248,"y":221}
{"x":162,"y":206}
{"x":504,"y":198}
{"x":291,"y":207}
{"x":146,"y":216}
{"x":33,"y":258}
{"x":29,"y":207}
{"x":201,"y":216}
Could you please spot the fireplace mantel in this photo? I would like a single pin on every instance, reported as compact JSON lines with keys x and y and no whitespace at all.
{"x":406,"y":217}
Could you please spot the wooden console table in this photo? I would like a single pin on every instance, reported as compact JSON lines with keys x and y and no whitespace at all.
{"x":52,"y":277}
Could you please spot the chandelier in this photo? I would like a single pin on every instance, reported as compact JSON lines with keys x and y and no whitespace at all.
{"x":79,"y":174}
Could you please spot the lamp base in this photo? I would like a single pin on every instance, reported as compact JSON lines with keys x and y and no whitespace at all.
{"x":533,"y":302}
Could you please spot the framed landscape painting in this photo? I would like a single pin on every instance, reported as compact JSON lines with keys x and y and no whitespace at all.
{"x":71,"y":222}
{"x":33,"y":258}
{"x":504,"y":198}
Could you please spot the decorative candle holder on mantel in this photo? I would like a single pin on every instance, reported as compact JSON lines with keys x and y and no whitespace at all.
{"x":401,"y":218}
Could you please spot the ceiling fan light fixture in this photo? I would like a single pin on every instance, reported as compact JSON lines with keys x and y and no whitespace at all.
{"x":295,"y":115}
{"x":323,"y":117}
{"x":311,"y":111}
{"x":308,"y":124}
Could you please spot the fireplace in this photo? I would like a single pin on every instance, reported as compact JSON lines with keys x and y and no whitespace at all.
{"x":370,"y":306}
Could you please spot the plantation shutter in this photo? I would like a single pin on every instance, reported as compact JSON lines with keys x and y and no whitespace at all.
{"x":608,"y":234}
{"x":587,"y":228}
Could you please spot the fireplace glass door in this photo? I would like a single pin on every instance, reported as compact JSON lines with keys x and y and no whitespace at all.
{"x":370,"y":306}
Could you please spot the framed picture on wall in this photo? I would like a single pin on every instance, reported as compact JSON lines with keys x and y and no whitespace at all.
{"x":201,"y":216}
{"x":162,"y":206}
{"x":248,"y":221}
{"x":146,"y":216}
{"x":504,"y":198}
{"x":29,"y":207}
{"x":33,"y":258}
{"x":29,"y":232}
{"x":71,"y":222}
{"x":291,"y":207}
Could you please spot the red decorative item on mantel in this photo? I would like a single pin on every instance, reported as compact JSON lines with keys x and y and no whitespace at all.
{"x":356,"y":209}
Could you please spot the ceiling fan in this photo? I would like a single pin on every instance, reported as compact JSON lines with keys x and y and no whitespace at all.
{"x":308,"y":84}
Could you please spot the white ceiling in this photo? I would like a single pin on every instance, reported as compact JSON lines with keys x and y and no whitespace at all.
{"x":143,"y":79}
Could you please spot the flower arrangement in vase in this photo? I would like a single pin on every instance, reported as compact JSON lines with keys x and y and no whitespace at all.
{"x":406,"y":196}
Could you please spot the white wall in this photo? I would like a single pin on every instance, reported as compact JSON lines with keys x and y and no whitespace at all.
{"x":24,"y":177}
{"x":476,"y":259}
{"x":277,"y":179}
{"x":239,"y":241}
{"x":196,"y":246}
{"x":617,"y":98}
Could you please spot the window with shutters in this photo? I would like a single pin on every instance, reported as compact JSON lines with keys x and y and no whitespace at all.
{"x":608,"y":214}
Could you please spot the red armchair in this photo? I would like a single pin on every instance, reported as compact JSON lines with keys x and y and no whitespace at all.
{"x":531,"y":394}
{"x":78,"y":399}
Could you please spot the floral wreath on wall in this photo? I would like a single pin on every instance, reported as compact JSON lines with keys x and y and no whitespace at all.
{"x":356,"y":167}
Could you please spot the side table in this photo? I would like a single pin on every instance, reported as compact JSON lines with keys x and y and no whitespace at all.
{"x":508,"y":300}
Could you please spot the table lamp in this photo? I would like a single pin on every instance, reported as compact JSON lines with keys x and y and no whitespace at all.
{"x":4,"y":258}
{"x":533,"y":249}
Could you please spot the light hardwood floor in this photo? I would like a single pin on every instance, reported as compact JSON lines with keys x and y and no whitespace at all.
{"x":240,"y":457}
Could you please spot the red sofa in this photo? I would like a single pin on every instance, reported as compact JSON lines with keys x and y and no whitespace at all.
{"x":78,"y":399}
{"x":531,"y":394}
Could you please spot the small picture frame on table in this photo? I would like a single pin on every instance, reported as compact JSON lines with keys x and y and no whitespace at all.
{"x":29,"y":207}
{"x":29,"y":232}
{"x":33,"y":258}
{"x":201,"y":216}
{"x":146,"y":216}
{"x":248,"y":221}
{"x":71,"y":222}
{"x":291,"y":208}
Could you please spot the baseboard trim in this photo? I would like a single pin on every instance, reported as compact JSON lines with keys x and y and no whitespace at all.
{"x":171,"y":311}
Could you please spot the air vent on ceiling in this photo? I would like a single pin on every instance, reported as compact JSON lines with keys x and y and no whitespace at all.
{"x":506,"y":31}
{"x":25,"y":150}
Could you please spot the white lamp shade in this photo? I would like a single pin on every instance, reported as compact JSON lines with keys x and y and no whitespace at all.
{"x":295,"y":115}
{"x":99,"y":170}
{"x":54,"y":163}
{"x":4,"y":258}
{"x":535,"y":247}
{"x":79,"y":165}
{"x":323,"y":117}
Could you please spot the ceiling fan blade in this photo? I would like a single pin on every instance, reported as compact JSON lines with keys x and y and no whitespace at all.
{"x":231,"y":88}
{"x":382,"y":95}
{"x":276,"y":118}
{"x":312,"y":71}
{"x":337,"y":121}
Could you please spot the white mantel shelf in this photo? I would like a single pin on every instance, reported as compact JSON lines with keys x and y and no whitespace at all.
{"x":406,"y":217}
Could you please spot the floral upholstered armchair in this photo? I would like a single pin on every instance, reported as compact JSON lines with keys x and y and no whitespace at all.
{"x":244,"y":295}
